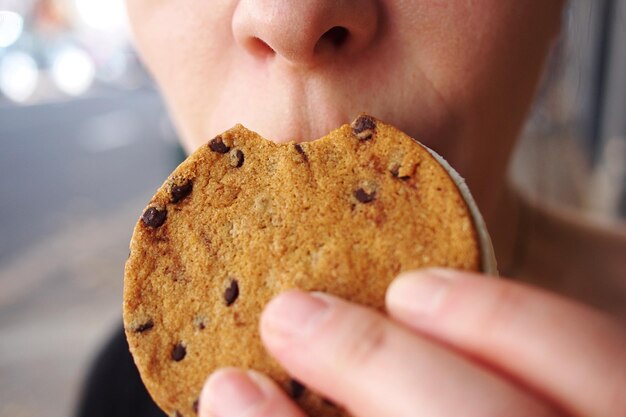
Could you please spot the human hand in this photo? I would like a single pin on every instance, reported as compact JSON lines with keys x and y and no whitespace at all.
{"x":453,"y":344}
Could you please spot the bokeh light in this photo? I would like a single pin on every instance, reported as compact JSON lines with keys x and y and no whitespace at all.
{"x":19,"y":76}
{"x":11,"y":27}
{"x":73,"y":71}
{"x":104,"y":15}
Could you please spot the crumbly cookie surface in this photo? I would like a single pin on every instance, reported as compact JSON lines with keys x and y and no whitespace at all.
{"x":243,"y":219}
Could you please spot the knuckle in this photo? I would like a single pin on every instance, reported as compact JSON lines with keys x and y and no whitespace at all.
{"x":363,"y":342}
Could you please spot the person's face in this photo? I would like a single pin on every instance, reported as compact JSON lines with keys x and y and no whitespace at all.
{"x":458,"y":75}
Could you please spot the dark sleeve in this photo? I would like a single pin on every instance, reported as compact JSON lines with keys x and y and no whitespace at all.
{"x":113,"y":387}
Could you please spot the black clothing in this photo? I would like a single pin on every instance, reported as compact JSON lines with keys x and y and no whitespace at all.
{"x":113,"y":387}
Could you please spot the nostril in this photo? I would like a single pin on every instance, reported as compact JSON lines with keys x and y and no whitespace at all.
{"x":259,"y":47}
{"x":336,"y":36}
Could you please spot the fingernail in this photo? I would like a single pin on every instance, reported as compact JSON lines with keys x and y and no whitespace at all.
{"x":419,"y":293}
{"x":232,"y":393}
{"x":294,"y":313}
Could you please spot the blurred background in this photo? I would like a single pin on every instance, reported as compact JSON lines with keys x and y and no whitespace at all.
{"x":85,"y":141}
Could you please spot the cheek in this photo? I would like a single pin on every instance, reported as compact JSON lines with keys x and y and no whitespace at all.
{"x":469,"y":50}
{"x":185,"y":47}
{"x":182,"y":41}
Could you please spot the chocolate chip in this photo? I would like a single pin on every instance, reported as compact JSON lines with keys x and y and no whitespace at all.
{"x":363,"y":196}
{"x":217,"y":145}
{"x":179,"y":192}
{"x":363,"y":127}
{"x":200,"y":322}
{"x":395,"y":171}
{"x":179,"y":352}
{"x":236,"y":158}
{"x":154,"y":217}
{"x":296,"y":389}
{"x":144,"y":327}
{"x":194,"y":406}
{"x":177,"y":414}
{"x":232,"y":292}
{"x":299,"y":149}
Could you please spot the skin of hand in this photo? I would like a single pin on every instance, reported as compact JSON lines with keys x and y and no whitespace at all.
{"x":457,"y":75}
{"x":453,"y":343}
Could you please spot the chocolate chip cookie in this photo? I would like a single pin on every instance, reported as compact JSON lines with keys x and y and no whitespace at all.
{"x":243,"y":219}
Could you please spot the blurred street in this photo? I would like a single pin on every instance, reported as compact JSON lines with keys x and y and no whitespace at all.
{"x":74,"y":178}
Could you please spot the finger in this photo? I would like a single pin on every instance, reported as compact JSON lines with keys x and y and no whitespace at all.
{"x":575,"y":355}
{"x":374,"y":367}
{"x":236,"y":393}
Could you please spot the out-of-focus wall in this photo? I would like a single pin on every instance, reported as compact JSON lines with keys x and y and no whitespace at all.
{"x":573,"y":151}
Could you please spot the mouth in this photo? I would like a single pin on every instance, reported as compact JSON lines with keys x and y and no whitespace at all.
{"x":294,"y":111}
{"x":283,"y":105}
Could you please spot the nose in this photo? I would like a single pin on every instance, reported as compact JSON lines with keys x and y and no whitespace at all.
{"x":305,"y":32}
